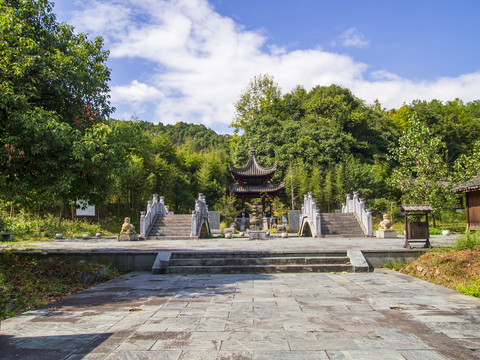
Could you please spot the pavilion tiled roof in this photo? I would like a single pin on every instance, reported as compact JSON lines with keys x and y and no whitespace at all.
{"x":470,"y":185}
{"x":416,"y":207}
{"x":252,"y":169}
{"x":258,"y":189}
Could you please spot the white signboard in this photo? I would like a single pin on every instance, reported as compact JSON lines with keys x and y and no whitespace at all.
{"x":89,"y":210}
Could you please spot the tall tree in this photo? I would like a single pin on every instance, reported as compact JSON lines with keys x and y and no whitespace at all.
{"x":261,"y":94}
{"x":422,"y":169}
{"x":53,"y":105}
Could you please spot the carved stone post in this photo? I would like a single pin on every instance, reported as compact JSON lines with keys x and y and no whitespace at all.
{"x":355,"y":201}
{"x":318,"y":224}
{"x":362,"y":211}
{"x":194,"y":223}
{"x":369,"y":223}
{"x":142,"y":224}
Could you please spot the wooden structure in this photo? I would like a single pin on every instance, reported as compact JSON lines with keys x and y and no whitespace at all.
{"x":471,"y":188}
{"x":416,"y":231}
{"x":253,"y":182}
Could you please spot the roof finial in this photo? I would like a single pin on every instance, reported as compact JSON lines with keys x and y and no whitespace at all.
{"x":252,"y":150}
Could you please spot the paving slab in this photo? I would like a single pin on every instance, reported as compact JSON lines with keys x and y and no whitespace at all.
{"x":377,"y":315}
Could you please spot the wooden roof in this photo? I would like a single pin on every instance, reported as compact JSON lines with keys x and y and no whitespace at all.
{"x":256,"y":189}
{"x":416,"y":208}
{"x":470,"y":185}
{"x":252,"y":169}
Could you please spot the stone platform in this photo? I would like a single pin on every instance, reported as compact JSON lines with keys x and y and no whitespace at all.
{"x":380,"y":315}
{"x":376,"y":315}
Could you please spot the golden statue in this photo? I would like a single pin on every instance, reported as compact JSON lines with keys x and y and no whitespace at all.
{"x":127,"y":228}
{"x":385,"y":224}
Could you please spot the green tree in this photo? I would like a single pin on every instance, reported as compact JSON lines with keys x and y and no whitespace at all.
{"x":422,"y":168}
{"x":228,"y":208}
{"x":261,"y":94}
{"x":467,"y":165}
{"x":54,"y":142}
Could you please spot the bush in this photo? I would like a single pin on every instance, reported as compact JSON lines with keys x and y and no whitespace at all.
{"x":471,"y":288}
{"x":393,"y":265}
{"x":31,"y":227}
{"x":470,"y":240}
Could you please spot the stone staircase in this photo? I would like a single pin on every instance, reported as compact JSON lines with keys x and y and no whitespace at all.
{"x":171,"y":227}
{"x":234,"y":262}
{"x":340,"y":224}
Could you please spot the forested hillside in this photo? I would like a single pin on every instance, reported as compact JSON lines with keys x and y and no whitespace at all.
{"x":330,"y":142}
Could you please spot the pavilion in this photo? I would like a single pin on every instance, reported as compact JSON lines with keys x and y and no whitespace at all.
{"x":252,"y":182}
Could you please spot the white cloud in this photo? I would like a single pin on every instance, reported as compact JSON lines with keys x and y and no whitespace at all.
{"x":352,"y":38}
{"x":136,"y":92}
{"x":203,"y":61}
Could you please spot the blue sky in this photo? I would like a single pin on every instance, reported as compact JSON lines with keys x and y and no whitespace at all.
{"x":189,"y":60}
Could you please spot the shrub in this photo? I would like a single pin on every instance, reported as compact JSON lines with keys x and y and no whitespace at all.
{"x":471,"y":288}
{"x":470,"y":240}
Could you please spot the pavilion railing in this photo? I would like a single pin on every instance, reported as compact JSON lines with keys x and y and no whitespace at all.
{"x":147,"y":218}
{"x":357,"y":206}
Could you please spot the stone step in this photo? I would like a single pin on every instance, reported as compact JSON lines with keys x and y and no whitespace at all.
{"x":237,"y":261}
{"x":339,"y":224}
{"x":169,"y":237}
{"x":173,"y":223}
{"x":172,"y":228}
{"x":236,"y":269}
{"x":231,"y":262}
{"x":341,"y":230}
{"x":253,"y":254}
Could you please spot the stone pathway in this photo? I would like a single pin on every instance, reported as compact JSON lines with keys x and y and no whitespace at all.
{"x":243,"y":244}
{"x":380,"y":315}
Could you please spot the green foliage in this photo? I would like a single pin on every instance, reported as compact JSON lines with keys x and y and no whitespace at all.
{"x":261,"y":96}
{"x":381,"y":206}
{"x":228,"y":208}
{"x":466,"y":166}
{"x":53,"y":107}
{"x":393,"y":265}
{"x":25,"y":226}
{"x":422,"y":168}
{"x":471,"y":288}
{"x":29,"y":281}
{"x":470,"y":240}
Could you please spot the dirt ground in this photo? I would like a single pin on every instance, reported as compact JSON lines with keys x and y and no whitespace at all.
{"x":447,"y":267}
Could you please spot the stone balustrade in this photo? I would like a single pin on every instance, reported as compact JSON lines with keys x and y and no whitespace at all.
{"x":310,"y":212}
{"x":147,"y":218}
{"x":363,"y":215}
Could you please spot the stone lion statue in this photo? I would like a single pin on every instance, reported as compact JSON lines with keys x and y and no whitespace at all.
{"x":385,"y":224}
{"x":127,"y":228}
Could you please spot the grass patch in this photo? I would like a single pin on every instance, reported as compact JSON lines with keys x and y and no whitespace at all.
{"x":26,"y":227}
{"x":27,"y":282}
{"x":393,"y":265}
{"x":470,"y":240}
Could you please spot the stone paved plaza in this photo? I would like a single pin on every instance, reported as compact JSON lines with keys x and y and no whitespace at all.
{"x":379,"y":315}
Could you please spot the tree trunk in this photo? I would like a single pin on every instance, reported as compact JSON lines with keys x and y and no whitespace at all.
{"x":61,"y":213}
{"x":11,"y":209}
